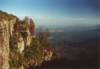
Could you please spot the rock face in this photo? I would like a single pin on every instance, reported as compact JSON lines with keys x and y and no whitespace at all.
{"x":20,"y":44}
{"x":4,"y":45}
{"x":17,"y":40}
{"x":47,"y":55}
{"x":6,"y":28}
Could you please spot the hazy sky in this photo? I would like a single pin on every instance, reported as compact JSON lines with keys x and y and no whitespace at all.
{"x":55,"y":12}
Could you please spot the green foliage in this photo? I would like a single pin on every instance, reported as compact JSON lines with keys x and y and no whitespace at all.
{"x":13,"y":63}
{"x":12,"y":43}
{"x":34,"y":51}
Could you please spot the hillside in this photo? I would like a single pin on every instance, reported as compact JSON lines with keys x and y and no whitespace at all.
{"x":84,"y":54}
{"x":20,"y":47}
{"x":23,"y":46}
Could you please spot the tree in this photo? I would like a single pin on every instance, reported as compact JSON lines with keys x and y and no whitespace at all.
{"x":32,"y":26}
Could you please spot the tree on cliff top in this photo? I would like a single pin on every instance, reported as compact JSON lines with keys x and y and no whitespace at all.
{"x":32,"y":26}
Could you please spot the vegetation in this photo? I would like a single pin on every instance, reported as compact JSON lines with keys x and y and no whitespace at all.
{"x":6,"y":16}
{"x":78,"y":50}
{"x":32,"y":54}
{"x":32,"y":26}
{"x":26,"y":48}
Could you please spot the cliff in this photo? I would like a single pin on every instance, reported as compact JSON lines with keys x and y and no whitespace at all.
{"x":19,"y":47}
{"x":6,"y":29}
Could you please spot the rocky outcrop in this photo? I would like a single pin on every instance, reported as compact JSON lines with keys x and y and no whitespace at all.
{"x":47,"y":55}
{"x":18,"y":45}
{"x":6,"y":29}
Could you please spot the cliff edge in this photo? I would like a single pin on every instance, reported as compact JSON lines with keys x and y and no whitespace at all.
{"x":19,"y":45}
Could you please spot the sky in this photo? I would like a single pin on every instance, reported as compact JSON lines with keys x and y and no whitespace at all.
{"x":55,"y":12}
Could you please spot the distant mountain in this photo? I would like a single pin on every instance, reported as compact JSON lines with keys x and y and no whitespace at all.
{"x":79,"y":46}
{"x":75,"y":34}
